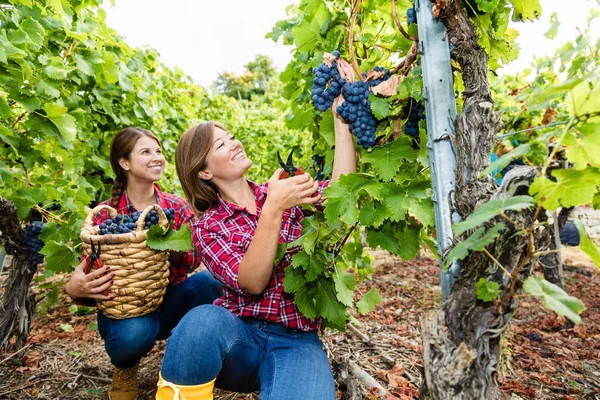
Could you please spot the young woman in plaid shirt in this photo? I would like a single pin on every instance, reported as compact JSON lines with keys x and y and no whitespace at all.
{"x":137,"y":159}
{"x":253,"y":338}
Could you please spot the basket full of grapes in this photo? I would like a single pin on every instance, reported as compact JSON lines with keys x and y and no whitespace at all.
{"x":141,"y":273}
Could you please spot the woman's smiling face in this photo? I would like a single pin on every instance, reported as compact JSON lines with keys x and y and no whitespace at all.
{"x":226,"y":159}
{"x":146,"y":161}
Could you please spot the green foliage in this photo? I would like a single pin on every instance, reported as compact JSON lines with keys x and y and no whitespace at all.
{"x":487,"y":290}
{"x":491,"y":209}
{"x":160,"y":238}
{"x":587,"y":246}
{"x":68,"y":83}
{"x":554,"y":298}
{"x":258,"y":79}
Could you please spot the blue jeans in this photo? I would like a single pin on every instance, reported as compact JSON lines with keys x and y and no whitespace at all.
{"x":128,"y":340}
{"x":247,"y":355}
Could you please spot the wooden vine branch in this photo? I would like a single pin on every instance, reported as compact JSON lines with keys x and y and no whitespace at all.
{"x":351,"y":40}
{"x":400,"y":27}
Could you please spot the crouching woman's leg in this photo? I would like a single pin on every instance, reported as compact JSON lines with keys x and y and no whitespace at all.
{"x":209,"y":340}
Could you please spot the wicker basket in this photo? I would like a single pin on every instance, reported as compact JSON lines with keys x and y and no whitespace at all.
{"x":141,"y":273}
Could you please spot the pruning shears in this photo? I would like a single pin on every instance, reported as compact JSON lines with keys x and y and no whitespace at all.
{"x":94,"y":260}
{"x":288,"y":167}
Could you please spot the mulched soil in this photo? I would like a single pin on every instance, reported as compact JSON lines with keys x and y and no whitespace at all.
{"x":542,"y":357}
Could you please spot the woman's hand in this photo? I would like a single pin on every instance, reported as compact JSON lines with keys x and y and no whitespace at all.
{"x":283,"y":194}
{"x":82,"y":285}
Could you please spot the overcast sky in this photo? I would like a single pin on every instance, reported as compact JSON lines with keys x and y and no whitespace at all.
{"x":204,"y":38}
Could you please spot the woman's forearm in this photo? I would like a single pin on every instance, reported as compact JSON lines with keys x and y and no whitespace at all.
{"x":344,"y":159}
{"x":256,"y":268}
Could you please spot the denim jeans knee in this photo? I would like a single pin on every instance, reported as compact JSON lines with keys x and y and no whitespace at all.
{"x":127,"y":340}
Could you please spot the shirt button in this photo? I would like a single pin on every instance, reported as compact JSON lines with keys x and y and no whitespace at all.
{"x":274,"y":301}
{"x":279,"y":285}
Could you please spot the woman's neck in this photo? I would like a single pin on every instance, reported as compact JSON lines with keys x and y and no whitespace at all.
{"x":141,"y":194}
{"x":239,"y":193}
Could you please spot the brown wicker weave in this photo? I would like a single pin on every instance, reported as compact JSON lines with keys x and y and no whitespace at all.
{"x":141,"y":274}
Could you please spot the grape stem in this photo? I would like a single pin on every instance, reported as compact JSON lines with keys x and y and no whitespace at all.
{"x":400,"y":27}
{"x":351,"y":40}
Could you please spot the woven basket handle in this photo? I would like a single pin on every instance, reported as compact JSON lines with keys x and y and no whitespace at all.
{"x":88,"y":225}
{"x":162,"y":218}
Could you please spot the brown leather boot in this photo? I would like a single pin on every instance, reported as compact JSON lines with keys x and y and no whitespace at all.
{"x":124,"y":384}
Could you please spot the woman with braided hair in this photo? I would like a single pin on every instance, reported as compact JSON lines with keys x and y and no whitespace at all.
{"x":138,"y":162}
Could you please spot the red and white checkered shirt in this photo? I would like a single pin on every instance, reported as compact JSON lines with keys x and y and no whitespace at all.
{"x":223,"y":234}
{"x":183,"y":213}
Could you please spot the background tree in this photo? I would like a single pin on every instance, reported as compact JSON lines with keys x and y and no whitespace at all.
{"x":255,"y":81}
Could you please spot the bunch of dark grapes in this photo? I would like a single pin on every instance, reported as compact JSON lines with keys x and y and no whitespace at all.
{"x":411,"y":15}
{"x":125,"y":223}
{"x":319,"y":165}
{"x":516,"y":162}
{"x":356,"y":110}
{"x":327,"y":84}
{"x":415,"y":114}
{"x":33,"y":242}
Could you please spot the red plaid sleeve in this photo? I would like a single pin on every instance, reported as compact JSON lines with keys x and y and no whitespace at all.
{"x":220,"y":256}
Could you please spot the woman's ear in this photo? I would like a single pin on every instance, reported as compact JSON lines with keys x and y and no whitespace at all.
{"x":124,"y":164}
{"x":205,"y":175}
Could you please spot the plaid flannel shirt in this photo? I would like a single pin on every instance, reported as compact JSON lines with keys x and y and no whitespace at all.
{"x":183,"y":213}
{"x":222,"y":236}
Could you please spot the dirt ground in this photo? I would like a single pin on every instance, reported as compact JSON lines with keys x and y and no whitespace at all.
{"x":64,"y":356}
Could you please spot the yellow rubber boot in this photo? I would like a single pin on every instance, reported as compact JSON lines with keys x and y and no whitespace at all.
{"x":170,"y":391}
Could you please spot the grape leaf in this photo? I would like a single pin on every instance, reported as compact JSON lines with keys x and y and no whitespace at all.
{"x":59,"y":258}
{"x":572,"y":188}
{"x":554,"y":298}
{"x":583,"y":150}
{"x":489,"y":210}
{"x":342,"y":197}
{"x":310,"y":264}
{"x":585,"y":97}
{"x":333,"y":312}
{"x":586,"y":245}
{"x":34,"y":31}
{"x":84,"y":66}
{"x":368,"y":301}
{"x":380,"y":108}
{"x":487,"y":290}
{"x":66,"y":126}
{"x":308,"y":30}
{"x":384,"y":238}
{"x":409,"y":237}
{"x":159,"y":238}
{"x":526,"y":9}
{"x":56,"y":69}
{"x":344,"y":284}
{"x":487,"y":5}
{"x":386,"y":159}
{"x":373,"y":213}
{"x":476,"y":242}
{"x":47,"y":88}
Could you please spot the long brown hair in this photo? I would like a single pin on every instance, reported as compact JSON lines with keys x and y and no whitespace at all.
{"x":190,"y":158}
{"x":121,"y":146}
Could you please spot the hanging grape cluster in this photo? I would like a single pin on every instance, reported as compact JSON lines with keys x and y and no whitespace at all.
{"x":411,"y":15}
{"x":415,"y":114}
{"x":33,"y":242}
{"x":318,"y":165}
{"x":327,"y":84}
{"x":125,"y":223}
{"x":356,"y":110}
